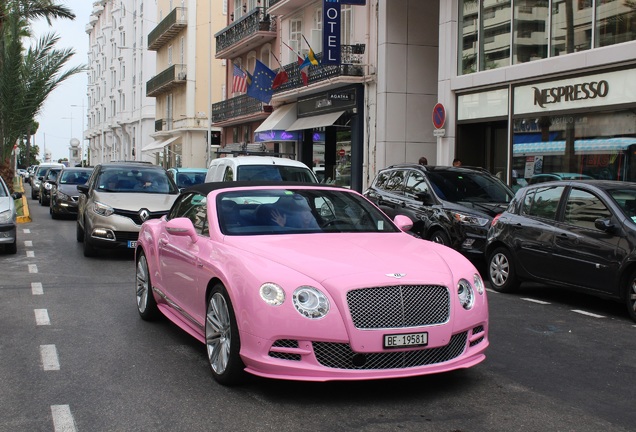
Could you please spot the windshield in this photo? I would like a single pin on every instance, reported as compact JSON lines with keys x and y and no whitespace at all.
{"x":136,"y":180}
{"x":275,"y":173}
{"x":280,"y":211}
{"x":75,"y":177}
{"x":185,"y":179}
{"x":469,"y":186}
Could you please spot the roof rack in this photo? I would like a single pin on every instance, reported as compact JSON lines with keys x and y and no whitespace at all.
{"x":251,"y":149}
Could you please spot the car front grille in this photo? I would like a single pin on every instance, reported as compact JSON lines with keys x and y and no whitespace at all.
{"x":134,"y":215}
{"x":399,"y":306}
{"x":125,"y":236}
{"x":340,"y":355}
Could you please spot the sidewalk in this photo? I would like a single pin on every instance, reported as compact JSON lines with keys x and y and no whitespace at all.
{"x":22,"y":206}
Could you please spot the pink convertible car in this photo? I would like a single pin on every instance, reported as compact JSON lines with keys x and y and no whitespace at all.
{"x":303,"y":282}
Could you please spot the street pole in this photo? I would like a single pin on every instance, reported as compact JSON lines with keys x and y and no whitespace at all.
{"x":208,"y":146}
{"x":82,"y":140}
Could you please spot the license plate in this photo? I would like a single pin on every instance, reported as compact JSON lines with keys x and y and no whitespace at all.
{"x":405,"y":340}
{"x":132,"y":244}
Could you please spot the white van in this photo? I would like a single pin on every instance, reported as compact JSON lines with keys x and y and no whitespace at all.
{"x":38,"y":174}
{"x":259,"y":168}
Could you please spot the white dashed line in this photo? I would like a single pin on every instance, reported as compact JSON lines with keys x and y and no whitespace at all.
{"x":36,"y":288}
{"x":26,"y":231}
{"x":28,"y":243}
{"x":587,"y":313}
{"x":62,"y":418}
{"x":50,"y":361}
{"x":30,"y":254}
{"x":536,"y":301}
{"x":42,"y":317}
{"x":33,"y":268}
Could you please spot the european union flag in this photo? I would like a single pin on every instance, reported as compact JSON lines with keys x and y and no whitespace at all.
{"x":262,"y":80}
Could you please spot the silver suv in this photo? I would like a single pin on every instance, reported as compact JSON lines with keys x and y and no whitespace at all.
{"x":117,"y":199}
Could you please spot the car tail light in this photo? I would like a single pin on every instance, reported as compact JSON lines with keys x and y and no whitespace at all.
{"x":495,"y":219}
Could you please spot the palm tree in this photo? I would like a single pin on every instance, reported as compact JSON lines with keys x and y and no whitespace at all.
{"x":26,"y":80}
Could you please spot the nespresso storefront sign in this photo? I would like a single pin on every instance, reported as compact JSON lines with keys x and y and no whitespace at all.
{"x":588,"y":91}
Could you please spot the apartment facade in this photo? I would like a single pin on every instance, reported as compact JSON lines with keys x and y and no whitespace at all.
{"x":187,"y":79}
{"x":120,"y":118}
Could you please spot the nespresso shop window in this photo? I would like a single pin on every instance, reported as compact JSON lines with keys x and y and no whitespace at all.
{"x":600,"y":145}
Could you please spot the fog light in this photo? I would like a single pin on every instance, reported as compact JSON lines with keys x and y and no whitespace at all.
{"x":104,"y":234}
{"x":468,"y":243}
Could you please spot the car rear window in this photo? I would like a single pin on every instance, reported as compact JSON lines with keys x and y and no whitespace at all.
{"x":274,"y":173}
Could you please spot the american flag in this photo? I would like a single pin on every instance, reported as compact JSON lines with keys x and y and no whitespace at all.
{"x":239,"y":82}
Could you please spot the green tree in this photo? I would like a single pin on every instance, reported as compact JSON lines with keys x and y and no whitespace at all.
{"x":27,"y":77}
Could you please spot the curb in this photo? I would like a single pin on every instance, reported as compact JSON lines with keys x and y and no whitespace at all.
{"x":25,"y":205}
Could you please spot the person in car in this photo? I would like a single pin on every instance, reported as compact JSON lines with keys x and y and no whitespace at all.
{"x":296,"y":214}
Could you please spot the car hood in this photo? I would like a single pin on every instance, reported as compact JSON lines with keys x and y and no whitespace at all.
{"x":135,"y":201}
{"x":68,"y":189}
{"x":6,"y":203}
{"x":358,"y":257}
{"x":489,"y":209}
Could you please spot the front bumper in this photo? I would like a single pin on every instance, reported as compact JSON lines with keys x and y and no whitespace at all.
{"x":8,"y":233}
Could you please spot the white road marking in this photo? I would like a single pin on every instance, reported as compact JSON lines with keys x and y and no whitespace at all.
{"x":26,"y":231}
{"x":593,"y":315}
{"x":33,"y":268}
{"x":36,"y":288}
{"x":536,"y":301}
{"x":30,"y":254}
{"x":28,"y":243}
{"x":50,"y":361}
{"x":42,"y":317}
{"x":62,"y":418}
{"x":491,"y":290}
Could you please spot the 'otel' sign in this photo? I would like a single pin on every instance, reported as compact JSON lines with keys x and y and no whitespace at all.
{"x":439,"y":116}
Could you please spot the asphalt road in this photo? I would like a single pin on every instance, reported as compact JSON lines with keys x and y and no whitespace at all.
{"x":74,"y":356}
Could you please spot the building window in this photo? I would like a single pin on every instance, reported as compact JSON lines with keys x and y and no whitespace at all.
{"x":266,"y":54}
{"x":295,"y":37}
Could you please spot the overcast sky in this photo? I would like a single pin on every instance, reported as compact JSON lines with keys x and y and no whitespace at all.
{"x":59,"y":120}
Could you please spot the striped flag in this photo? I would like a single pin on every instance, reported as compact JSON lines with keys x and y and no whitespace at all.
{"x":239,"y":81}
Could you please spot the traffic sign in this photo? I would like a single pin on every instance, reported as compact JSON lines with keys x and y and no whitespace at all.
{"x":341,"y":152}
{"x":439,"y":116}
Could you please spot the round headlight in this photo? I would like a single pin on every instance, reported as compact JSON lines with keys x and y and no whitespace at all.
{"x":272,"y":294}
{"x":310,"y":302}
{"x":478,"y":283}
{"x":48,"y":186}
{"x":465,"y":294}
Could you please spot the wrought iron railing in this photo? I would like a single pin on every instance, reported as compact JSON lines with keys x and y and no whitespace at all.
{"x":236,"y":107}
{"x":166,"y":79}
{"x":352,"y":64}
{"x":257,"y":20}
{"x":167,"y":28}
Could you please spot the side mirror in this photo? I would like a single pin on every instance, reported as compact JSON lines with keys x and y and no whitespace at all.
{"x":16,"y":195}
{"x":604,"y":224}
{"x":403,"y":222}
{"x":425,"y":197}
{"x":182,"y":227}
{"x":82,"y":188}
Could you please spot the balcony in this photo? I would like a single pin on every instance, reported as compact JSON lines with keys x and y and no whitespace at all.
{"x":245,"y":34}
{"x":285,"y":7}
{"x":167,"y":28}
{"x":174,"y":76}
{"x":238,"y":109}
{"x":352,"y":65}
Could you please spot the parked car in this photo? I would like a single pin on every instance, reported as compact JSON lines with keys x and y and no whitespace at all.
{"x":8,"y":216}
{"x":308,"y":282}
{"x":117,"y":199}
{"x":46,"y":184}
{"x":542,"y":178}
{"x":64,"y":194}
{"x":38,"y":176}
{"x":186,"y":177}
{"x":575,"y":234}
{"x":452,"y":206}
{"x":259,"y":168}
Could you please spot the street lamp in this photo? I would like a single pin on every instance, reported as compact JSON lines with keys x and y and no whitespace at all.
{"x":82,"y":140}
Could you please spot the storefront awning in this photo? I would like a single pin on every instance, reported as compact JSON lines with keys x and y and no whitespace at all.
{"x":280,"y":119}
{"x":322,"y":120}
{"x":545,"y":148}
{"x":157,"y":145}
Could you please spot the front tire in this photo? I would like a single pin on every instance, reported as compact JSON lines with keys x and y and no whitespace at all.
{"x":440,"y":237}
{"x":630,"y":296}
{"x":146,"y":303}
{"x":501,"y":271}
{"x":79,"y":232}
{"x":12,"y":248}
{"x":222,"y":338}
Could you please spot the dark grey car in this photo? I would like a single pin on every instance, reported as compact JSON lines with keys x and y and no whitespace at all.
{"x":64,"y":194}
{"x":576,"y":234}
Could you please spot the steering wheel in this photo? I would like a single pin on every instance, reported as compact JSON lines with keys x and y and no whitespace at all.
{"x":334,"y":222}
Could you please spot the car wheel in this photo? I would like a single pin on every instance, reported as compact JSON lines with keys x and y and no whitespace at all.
{"x":440,"y":237}
{"x":146,"y":304}
{"x":89,"y":249}
{"x":631,"y":296}
{"x":33,"y":195}
{"x":222,"y":338}
{"x":12,"y":248}
{"x":501,"y":271}
{"x":79,"y":232}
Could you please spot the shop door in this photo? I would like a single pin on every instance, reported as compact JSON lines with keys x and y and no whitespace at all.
{"x":484,"y":145}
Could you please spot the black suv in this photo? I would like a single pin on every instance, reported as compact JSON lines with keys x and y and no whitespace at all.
{"x":449,"y":205}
